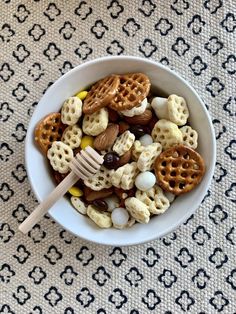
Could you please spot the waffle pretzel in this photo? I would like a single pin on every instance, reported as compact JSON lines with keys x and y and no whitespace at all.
{"x":132,"y":90}
{"x":48,"y":130}
{"x":101,"y":94}
{"x":179,"y":169}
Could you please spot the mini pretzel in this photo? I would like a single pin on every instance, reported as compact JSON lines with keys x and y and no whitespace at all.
{"x":101,"y":180}
{"x":147,"y":157}
{"x":132,"y":90}
{"x":48,"y":130}
{"x":167,"y":133}
{"x":154,"y":198}
{"x":179,"y":169}
{"x":101,"y":94}
{"x":60,"y":156}
{"x":123,"y":143}
{"x":71,"y":111}
{"x":95,"y":123}
{"x":72,"y":136}
{"x":136,"y":110}
{"x":177,"y":109}
{"x":190,"y":136}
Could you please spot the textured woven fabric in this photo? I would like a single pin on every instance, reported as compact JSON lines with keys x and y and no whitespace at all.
{"x":49,"y":270}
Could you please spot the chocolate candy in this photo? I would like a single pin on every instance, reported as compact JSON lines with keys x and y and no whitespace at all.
{"x":111,"y":160}
{"x":138,"y":130}
{"x":100,"y":204}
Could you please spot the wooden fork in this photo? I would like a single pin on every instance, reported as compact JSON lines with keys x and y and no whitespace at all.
{"x":84,"y":165}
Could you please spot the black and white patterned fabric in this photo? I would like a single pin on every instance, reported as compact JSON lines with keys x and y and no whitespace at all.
{"x":50,"y":271}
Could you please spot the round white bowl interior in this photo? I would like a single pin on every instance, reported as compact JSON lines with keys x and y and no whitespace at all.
{"x":78,"y":79}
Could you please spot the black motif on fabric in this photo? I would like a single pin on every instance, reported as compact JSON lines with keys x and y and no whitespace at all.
{"x":6,"y":33}
{"x":196,"y":24}
{"x":52,"y":12}
{"x":52,"y":52}
{"x":99,"y":29}
{"x":115,"y":9}
{"x":213,"y":5}
{"x":5,"y":309}
{"x":36,"y":71}
{"x":36,"y":32}
{"x":21,"y":295}
{"x":219,"y":173}
{"x":101,"y":276}
{"x":180,"y":47}
{"x":67,"y":66}
{"x":37,"y":234}
{"x":68,"y":275}
{"x":197,"y":66}
{"x":131,"y":27}
{"x":53,"y":296}
{"x":147,"y":7}
{"x":118,"y":298}
{"x":66,"y":236}
{"x":231,"y":279}
{"x":6,"y":72}
{"x":37,"y":274}
{"x":231,"y":236}
{"x":6,"y":273}
{"x":147,"y":48}
{"x":230,"y":150}
{"x":201,"y":278}
{"x":215,"y":87}
{"x":151,"y":299}
{"x":67,"y":30}
{"x":85,"y":297}
{"x":22,"y":254}
{"x":83,"y":10}
{"x":53,"y":255}
{"x":20,"y":132}
{"x":118,"y":256}
{"x":230,"y":64}
{"x":219,"y":301}
{"x":218,"y":215}
{"x":5,"y":152}
{"x":22,"y":13}
{"x":231,"y":192}
{"x":5,"y":192}
{"x":20,"y":92}
{"x":169,"y":239}
{"x":214,"y":45}
{"x":164,"y":26}
{"x":185,"y":301}
{"x":133,"y":277}
{"x":83,"y":51}
{"x":230,"y":106}
{"x":229,"y":22}
{"x":151,"y":258}
{"x":218,"y":258}
{"x":115,"y":48}
{"x":179,"y":6}
{"x":85,"y":256}
{"x":5,"y":112}
{"x":167,"y":278}
{"x":20,"y":213}
{"x":184,"y":257}
{"x":21,"y":53}
{"x":19,"y":173}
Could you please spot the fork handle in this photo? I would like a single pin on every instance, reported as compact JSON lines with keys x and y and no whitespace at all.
{"x":52,"y":198}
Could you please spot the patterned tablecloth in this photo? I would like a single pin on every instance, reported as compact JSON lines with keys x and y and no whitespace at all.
{"x":49,"y":270}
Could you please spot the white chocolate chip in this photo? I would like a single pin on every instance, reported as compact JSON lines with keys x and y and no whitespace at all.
{"x":120,"y":217}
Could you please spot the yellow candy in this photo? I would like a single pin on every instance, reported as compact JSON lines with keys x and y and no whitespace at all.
{"x":75,"y":191}
{"x":86,"y":141}
{"x":82,"y":95}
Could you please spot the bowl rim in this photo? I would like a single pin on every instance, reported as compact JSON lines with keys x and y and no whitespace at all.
{"x":178,"y":77}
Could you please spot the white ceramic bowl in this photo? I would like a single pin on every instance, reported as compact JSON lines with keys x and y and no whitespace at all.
{"x":78,"y":79}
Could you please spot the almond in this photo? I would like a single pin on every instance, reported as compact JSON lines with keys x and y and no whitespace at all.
{"x":107,"y":138}
{"x":142,"y":119}
{"x":123,"y":126}
{"x":124,"y":159}
{"x":91,"y":195}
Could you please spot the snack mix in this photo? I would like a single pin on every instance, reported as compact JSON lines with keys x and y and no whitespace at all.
{"x":148,"y":146}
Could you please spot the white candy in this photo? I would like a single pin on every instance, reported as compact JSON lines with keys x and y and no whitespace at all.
{"x":159,"y":105}
{"x":146,"y":140}
{"x":145,"y":181}
{"x":170,"y":196}
{"x":119,"y":217}
{"x":112,"y":202}
{"x":136,"y":110}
